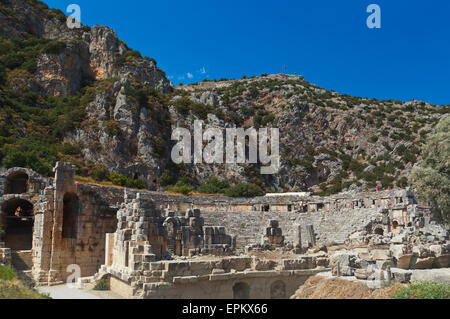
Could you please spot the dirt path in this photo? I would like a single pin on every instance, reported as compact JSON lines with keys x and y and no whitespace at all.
{"x":67,"y":292}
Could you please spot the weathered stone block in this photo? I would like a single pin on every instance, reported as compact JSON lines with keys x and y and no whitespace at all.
{"x":442,"y":261}
{"x":424,"y":263}
{"x":380,"y":254}
{"x":361,"y":274}
{"x":401,"y":275}
{"x":404,"y":261}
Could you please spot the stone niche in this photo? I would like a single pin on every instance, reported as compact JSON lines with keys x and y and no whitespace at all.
{"x":274,"y":235}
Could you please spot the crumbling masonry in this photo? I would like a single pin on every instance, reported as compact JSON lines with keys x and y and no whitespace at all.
{"x":154,"y":245}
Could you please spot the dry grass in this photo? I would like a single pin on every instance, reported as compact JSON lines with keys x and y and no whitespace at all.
{"x":319,"y":287}
{"x":15,"y":289}
{"x":89,"y":181}
{"x":276,"y":254}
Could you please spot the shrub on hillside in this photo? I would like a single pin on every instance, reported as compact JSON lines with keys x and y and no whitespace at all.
{"x":181,"y":187}
{"x":183,"y":105}
{"x":244,"y":190}
{"x":126,"y":181}
{"x":432,"y":179}
{"x":213,"y":185}
{"x":423,"y":290}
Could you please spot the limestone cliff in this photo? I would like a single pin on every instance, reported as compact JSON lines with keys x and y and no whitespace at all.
{"x":108,"y":109}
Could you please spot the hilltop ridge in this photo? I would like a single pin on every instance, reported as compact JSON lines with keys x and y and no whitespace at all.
{"x":84,"y":96}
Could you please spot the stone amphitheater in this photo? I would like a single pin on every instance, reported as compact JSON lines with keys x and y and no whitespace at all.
{"x":154,"y":245}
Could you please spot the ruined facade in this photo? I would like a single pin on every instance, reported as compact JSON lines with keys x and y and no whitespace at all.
{"x":148,"y":244}
{"x":49,"y":224}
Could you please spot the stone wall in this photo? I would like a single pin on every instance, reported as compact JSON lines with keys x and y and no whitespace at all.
{"x":225,"y":278}
{"x":336,"y":227}
{"x":71,"y":220}
{"x":334,"y":218}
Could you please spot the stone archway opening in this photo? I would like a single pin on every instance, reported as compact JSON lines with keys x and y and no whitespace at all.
{"x":16,"y":183}
{"x":171,"y":234}
{"x":173,"y":244}
{"x":395,"y":225}
{"x":241,"y":290}
{"x":17,"y":221}
{"x":278,"y":290}
{"x":71,"y":211}
{"x":379,"y":231}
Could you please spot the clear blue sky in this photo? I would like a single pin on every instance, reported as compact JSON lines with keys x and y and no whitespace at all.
{"x":327,"y":41}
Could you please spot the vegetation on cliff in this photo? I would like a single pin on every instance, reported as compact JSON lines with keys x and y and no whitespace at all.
{"x":119,"y":131}
{"x":32,"y":125}
{"x":432,"y":179}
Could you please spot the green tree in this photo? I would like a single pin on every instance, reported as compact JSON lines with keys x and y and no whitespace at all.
{"x":431,"y":180}
{"x":244,"y":190}
{"x":213,"y":185}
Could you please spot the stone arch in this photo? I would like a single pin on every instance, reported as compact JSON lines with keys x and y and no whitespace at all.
{"x":17,"y":183}
{"x":278,"y":290}
{"x":395,"y":225}
{"x":171,"y":225}
{"x":241,"y":290}
{"x":17,"y":220}
{"x":71,"y":211}
{"x":379,"y":231}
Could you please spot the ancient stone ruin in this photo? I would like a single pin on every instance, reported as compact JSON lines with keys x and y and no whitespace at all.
{"x":154,"y":245}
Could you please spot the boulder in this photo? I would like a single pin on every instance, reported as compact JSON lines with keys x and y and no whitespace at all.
{"x":364,"y":253}
{"x":377,"y":274}
{"x":401,"y":255}
{"x":404,"y":262}
{"x":384,"y":264}
{"x":399,"y":239}
{"x":347,"y":261}
{"x":442,"y":261}
{"x":398,"y":250}
{"x":424,"y":263}
{"x":380,"y":254}
{"x":421,"y":251}
{"x":436,"y":250}
{"x":401,"y":275}
{"x":361,"y":274}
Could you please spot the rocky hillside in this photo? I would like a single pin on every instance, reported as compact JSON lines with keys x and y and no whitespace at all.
{"x":84,"y":96}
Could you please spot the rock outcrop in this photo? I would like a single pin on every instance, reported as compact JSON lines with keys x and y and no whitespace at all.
{"x":327,"y":139}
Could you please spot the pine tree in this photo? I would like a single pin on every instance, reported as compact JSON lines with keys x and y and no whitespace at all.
{"x":431,"y":180}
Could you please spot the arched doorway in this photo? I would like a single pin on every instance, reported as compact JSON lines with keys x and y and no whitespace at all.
{"x":17,"y":221}
{"x":70,"y":216}
{"x":16,"y":183}
{"x":379,"y":231}
{"x":241,"y":290}
{"x":171,"y":226}
{"x":395,"y":226}
{"x":278,"y":290}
